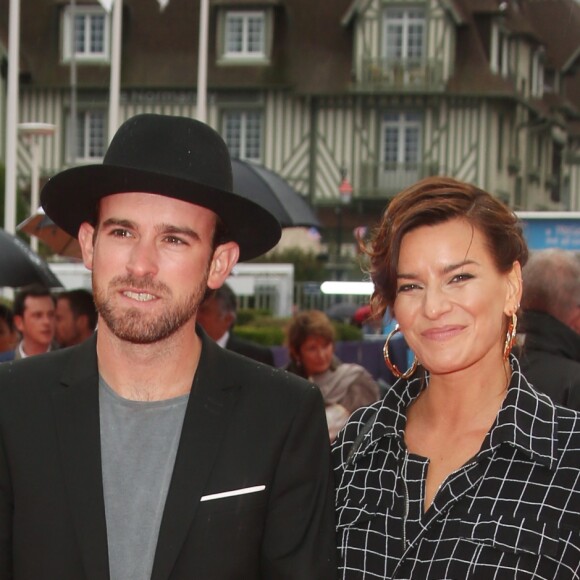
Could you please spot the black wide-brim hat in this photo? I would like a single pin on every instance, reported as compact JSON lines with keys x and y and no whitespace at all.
{"x":176,"y":157}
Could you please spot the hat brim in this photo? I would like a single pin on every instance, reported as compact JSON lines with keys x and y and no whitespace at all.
{"x":70,"y":198}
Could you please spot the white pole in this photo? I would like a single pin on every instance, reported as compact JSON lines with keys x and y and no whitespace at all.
{"x":115,"y":84}
{"x":12,"y":118}
{"x":73,"y":87}
{"x":34,"y":193}
{"x":202,"y":62}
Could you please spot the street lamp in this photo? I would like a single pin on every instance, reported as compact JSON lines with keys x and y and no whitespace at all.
{"x":33,"y":131}
{"x":345,"y":194}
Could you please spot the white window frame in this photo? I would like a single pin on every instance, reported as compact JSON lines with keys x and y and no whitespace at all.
{"x":84,"y":118}
{"x":537,"y":88}
{"x":245,"y":53}
{"x":403,"y":173}
{"x":404,"y":23}
{"x":500,"y":51}
{"x":244,"y":133}
{"x":87,"y":12}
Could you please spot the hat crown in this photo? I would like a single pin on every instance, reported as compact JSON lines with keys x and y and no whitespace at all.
{"x":175,"y":146}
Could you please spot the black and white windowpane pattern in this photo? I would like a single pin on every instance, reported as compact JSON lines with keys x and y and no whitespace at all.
{"x":401,"y":138}
{"x":89,"y":34}
{"x":97,"y":27}
{"x":243,"y":134}
{"x":244,"y":33}
{"x":91,"y":135}
{"x":404,"y":31}
{"x":511,"y":512}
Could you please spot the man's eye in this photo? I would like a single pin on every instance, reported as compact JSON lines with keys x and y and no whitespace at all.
{"x":120,"y":233}
{"x":174,"y":240}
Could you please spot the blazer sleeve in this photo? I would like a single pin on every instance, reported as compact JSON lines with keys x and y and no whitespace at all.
{"x":300,"y":529}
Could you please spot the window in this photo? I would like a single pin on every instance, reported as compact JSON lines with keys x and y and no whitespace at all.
{"x":404,"y":34}
{"x":537,"y":83}
{"x":90,"y":136}
{"x":245,"y":35}
{"x":91,"y":33}
{"x":242,"y":131}
{"x":500,"y":51}
{"x":400,"y":150}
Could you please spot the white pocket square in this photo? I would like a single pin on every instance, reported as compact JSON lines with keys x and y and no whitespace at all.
{"x":241,"y":491}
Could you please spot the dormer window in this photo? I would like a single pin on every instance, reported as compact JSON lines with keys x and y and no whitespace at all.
{"x":404,"y":34}
{"x":538,"y":73}
{"x":499,"y":57}
{"x":90,"y":25}
{"x":245,"y":36}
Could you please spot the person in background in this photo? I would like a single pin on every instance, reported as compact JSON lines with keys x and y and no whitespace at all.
{"x":217,"y":315}
{"x":550,"y":354}
{"x":8,"y":334}
{"x":76,"y":316}
{"x":463,"y":470}
{"x":345,"y":386}
{"x":34,"y":310}
{"x":147,"y":451}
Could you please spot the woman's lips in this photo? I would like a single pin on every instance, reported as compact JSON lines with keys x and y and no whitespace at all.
{"x":442,"y":332}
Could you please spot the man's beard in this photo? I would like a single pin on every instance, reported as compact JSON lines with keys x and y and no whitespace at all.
{"x":131,"y":325}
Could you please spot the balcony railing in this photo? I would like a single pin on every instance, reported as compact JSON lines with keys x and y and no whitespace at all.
{"x":382,"y":180}
{"x":402,"y":75}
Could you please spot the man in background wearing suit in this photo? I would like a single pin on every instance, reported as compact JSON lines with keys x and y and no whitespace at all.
{"x":217,"y":315}
{"x":147,"y":451}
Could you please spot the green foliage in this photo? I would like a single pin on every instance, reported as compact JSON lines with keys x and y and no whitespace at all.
{"x":246,"y":316}
{"x":265,"y":335}
{"x":346,"y":332}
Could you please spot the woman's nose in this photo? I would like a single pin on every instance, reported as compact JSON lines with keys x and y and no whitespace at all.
{"x":436,"y":302}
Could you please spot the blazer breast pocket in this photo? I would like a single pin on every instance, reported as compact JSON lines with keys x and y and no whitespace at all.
{"x":234,"y":501}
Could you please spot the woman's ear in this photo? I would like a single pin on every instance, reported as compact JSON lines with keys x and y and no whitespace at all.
{"x":514,"y":289}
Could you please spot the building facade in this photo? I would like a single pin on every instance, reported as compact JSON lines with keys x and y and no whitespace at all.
{"x":379,"y":92}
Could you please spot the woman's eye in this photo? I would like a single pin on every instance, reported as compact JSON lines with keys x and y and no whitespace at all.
{"x":461,"y":277}
{"x":406,"y":288}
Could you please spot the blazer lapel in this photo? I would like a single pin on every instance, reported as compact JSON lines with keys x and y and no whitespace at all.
{"x":76,"y":407}
{"x":210,"y":403}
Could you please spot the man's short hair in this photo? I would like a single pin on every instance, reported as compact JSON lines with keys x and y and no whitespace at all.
{"x":7,"y":316}
{"x":226,"y":298}
{"x":34,"y":290}
{"x":81,"y":302}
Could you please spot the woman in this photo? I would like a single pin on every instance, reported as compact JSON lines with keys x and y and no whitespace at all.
{"x":463,"y":470}
{"x":345,"y":387}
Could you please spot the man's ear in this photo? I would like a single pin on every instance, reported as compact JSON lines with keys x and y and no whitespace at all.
{"x":224,"y":258}
{"x":18,"y":323}
{"x":514,"y":289}
{"x":86,"y":233}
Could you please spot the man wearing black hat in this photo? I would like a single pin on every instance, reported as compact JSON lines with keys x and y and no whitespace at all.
{"x":148,"y":451}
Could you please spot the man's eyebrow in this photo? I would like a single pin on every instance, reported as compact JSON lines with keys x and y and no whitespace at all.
{"x":162,"y":228}
{"x":123,"y":223}
{"x":179,"y":230}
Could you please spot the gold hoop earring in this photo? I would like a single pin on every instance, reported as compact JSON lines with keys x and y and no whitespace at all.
{"x":393,"y":367}
{"x":510,"y":337}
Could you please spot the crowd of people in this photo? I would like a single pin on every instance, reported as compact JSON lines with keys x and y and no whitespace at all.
{"x":164,"y":446}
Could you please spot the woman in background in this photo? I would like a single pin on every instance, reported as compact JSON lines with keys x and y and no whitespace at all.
{"x":344,"y":386}
{"x":463,"y":470}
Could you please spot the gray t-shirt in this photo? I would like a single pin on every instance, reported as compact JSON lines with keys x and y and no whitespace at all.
{"x":138,"y":444}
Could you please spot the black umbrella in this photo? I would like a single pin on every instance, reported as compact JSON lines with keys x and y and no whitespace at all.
{"x":20,"y":266}
{"x":268,"y":189}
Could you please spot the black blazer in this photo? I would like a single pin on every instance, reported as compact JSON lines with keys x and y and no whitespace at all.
{"x":245,"y":425}
{"x":250,"y":349}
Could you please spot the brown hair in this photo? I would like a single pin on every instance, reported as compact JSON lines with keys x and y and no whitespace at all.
{"x":308,"y":323}
{"x":431,"y":201}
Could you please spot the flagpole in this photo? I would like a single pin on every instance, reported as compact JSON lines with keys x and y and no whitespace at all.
{"x":12,"y":117}
{"x":201,"y":108}
{"x":115,"y":83}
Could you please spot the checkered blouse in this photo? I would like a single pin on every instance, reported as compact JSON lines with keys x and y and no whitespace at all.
{"x":513,"y":511}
